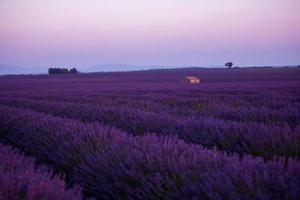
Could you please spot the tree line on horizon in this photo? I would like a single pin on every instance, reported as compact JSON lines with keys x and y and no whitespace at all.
{"x":52,"y":71}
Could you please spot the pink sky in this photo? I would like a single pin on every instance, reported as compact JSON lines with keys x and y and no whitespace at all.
{"x":156,"y":32}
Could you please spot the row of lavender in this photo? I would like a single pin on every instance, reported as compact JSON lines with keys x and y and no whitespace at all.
{"x":109,"y":164}
{"x":230,"y":136}
{"x":20,"y":179}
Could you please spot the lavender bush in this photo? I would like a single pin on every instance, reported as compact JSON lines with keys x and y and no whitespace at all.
{"x":20,"y":179}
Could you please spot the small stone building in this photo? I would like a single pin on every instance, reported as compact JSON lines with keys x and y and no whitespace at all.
{"x":193,"y":79}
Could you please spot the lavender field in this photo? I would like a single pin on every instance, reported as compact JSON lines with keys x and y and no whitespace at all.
{"x":151,"y":135}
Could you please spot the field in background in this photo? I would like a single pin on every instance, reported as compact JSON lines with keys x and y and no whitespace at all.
{"x":152,"y":135}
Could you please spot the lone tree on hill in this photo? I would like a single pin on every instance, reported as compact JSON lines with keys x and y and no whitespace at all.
{"x":229,"y":65}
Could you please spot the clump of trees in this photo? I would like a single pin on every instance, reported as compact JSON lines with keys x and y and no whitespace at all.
{"x":62,"y":71}
{"x":229,"y":65}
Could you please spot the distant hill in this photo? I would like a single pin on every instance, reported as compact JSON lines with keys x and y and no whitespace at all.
{"x":115,"y":67}
{"x":10,"y":69}
{"x":127,"y":67}
{"x":6,"y":69}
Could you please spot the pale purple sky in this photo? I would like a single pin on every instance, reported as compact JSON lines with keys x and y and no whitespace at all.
{"x":143,"y":32}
